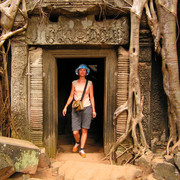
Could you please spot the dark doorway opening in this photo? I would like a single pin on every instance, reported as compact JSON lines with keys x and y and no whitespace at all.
{"x":66,"y":74}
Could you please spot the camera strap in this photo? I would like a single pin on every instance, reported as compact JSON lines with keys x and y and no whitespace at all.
{"x":84,"y":90}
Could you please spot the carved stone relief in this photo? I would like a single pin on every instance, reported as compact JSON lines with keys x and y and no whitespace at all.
{"x":19,"y":88}
{"x":78,"y":31}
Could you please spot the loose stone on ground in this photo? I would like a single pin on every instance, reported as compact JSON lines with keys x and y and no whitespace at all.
{"x":24,"y":154}
{"x":6,"y":166}
{"x":85,"y":170}
{"x":164,"y":170}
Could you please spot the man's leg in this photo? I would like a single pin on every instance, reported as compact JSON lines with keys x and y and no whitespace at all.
{"x":83,"y":142}
{"x":77,"y":138}
{"x":84,"y":137}
{"x":76,"y":135}
{"x":86,"y":122}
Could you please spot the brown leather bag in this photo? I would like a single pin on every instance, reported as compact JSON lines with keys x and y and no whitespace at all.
{"x":78,"y":105}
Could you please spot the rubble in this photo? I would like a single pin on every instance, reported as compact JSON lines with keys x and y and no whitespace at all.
{"x":158,"y":167}
{"x":44,"y":160}
{"x":24,"y":157}
{"x":163,"y":170}
{"x":144,"y":162}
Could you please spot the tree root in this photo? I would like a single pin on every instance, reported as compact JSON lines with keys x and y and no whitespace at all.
{"x":9,"y":16}
{"x":127,"y":149}
{"x":9,"y":11}
{"x":177,"y":144}
{"x":1,"y":72}
{"x":161,"y":29}
{"x":134,"y":104}
{"x":137,"y":149}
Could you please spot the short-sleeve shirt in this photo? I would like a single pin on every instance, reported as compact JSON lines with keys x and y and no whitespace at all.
{"x":78,"y":90}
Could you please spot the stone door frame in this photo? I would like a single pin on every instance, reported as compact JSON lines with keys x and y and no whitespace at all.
{"x":110,"y":60}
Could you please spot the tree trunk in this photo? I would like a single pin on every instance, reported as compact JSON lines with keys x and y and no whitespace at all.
{"x":134,"y":105}
{"x":135,"y":102}
{"x":167,"y":14}
{"x":8,"y":11}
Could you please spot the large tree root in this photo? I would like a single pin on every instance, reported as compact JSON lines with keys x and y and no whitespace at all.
{"x":164,"y":30}
{"x":139,"y":148}
{"x":134,"y":104}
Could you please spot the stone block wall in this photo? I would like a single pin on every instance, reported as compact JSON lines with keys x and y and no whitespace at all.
{"x":159,"y":114}
{"x":145,"y":81}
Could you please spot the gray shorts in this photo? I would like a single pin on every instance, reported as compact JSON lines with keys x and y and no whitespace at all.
{"x":81,"y":119}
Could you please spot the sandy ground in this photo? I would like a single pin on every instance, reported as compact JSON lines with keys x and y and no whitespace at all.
{"x":72,"y":164}
{"x":51,"y":173}
{"x":94,"y":154}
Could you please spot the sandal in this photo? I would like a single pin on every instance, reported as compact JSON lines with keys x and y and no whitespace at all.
{"x":82,"y":153}
{"x":75,"y":147}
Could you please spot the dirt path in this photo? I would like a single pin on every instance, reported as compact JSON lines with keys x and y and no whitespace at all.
{"x":72,"y":166}
{"x":64,"y":157}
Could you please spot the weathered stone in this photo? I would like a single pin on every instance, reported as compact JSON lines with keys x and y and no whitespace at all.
{"x":75,"y":7}
{"x":145,"y":84}
{"x":44,"y":160}
{"x":163,"y":170}
{"x":55,"y":166}
{"x":144,"y":162}
{"x":169,"y":159}
{"x":177,"y":160}
{"x":153,"y":144}
{"x":36,"y":97}
{"x":150,"y":177}
{"x":71,"y":6}
{"x":6,"y":166}
{"x":20,"y":176}
{"x":24,"y":154}
{"x":72,"y":170}
{"x":84,"y":30}
{"x":19,"y":96}
{"x":158,"y":105}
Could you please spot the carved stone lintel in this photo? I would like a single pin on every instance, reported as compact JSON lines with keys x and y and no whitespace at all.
{"x":78,"y":31}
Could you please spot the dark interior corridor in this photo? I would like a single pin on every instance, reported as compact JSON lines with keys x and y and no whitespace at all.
{"x":66,"y":74}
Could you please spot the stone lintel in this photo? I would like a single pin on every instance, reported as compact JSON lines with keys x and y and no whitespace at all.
{"x":78,"y":31}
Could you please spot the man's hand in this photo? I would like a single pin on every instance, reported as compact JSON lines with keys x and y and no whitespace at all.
{"x":64,"y":111}
{"x":94,"y":114}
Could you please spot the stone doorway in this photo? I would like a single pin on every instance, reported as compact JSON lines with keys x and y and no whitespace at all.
{"x":66,"y":75}
{"x":103,"y":57}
